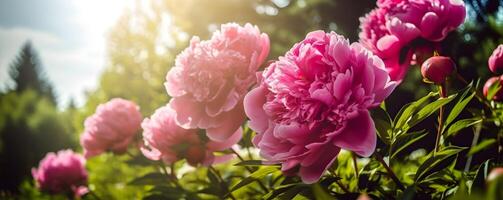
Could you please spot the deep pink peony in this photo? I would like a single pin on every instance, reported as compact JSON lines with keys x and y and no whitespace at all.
{"x":165,"y":140}
{"x":111,"y":128}
{"x":389,"y":29}
{"x":210,"y":79}
{"x":63,"y":172}
{"x":376,"y":37}
{"x":314,"y":101}
{"x":496,"y":60}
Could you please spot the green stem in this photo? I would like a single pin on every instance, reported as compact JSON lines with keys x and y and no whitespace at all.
{"x":355,"y":164}
{"x":443,"y":93}
{"x":475,"y":140}
{"x":390,"y":172}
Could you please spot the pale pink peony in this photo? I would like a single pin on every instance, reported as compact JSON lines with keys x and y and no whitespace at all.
{"x":390,"y":29}
{"x":165,"y":140}
{"x":314,"y":101}
{"x":63,"y":172}
{"x":496,"y":60}
{"x":111,"y":128}
{"x":210,"y":79}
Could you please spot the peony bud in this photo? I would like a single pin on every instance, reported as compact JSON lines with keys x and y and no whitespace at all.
{"x":436,"y":69}
{"x":496,"y":60}
{"x":495,"y":173}
{"x":499,"y":94}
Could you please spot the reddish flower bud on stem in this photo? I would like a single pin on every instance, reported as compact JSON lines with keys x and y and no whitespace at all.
{"x":498,"y":96}
{"x":436,"y":69}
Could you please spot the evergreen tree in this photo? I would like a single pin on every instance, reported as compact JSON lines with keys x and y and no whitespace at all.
{"x":26,"y":71}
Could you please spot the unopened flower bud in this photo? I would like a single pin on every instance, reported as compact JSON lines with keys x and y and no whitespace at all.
{"x":496,"y":60}
{"x":436,"y":69}
{"x":495,"y":173}
{"x":499,"y":94}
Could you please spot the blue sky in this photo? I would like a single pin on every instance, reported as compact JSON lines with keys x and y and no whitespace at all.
{"x":69,"y":36}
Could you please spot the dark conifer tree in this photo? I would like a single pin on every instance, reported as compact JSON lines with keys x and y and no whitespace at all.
{"x":26,"y":71}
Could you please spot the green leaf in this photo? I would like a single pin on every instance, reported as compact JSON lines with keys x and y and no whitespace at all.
{"x":442,"y":159}
{"x":154,"y":197}
{"x":249,"y":163}
{"x":260,"y":173}
{"x":279,"y":190}
{"x":408,"y":110}
{"x":495,"y":87}
{"x":461,"y":124}
{"x":291,"y":193}
{"x":460,"y":105}
{"x":409,"y":193}
{"x":427,"y":110}
{"x":481,"y":146}
{"x":479,"y":182}
{"x":320,"y":193}
{"x":154,"y":178}
{"x":382,"y":123}
{"x":405,"y":140}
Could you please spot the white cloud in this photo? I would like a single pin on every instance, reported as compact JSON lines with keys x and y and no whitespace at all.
{"x":70,"y":68}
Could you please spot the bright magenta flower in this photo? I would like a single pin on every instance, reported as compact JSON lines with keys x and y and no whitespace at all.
{"x":165,"y":140}
{"x":496,"y":60}
{"x":390,"y":29}
{"x":314,"y":101}
{"x":63,"y":172}
{"x":111,"y":128}
{"x":210,"y":79}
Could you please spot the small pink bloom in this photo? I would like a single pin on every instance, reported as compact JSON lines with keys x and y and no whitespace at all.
{"x":496,"y":60}
{"x":63,"y":172}
{"x":165,"y":140}
{"x":499,"y":94}
{"x":112,"y":127}
{"x":390,"y":29}
{"x":314,"y":101}
{"x":210,"y":79}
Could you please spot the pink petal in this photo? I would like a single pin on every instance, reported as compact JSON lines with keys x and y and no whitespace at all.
{"x":358,"y":136}
{"x":253,"y":104}
{"x":188,"y":113}
{"x":229,"y":123}
{"x":404,"y":31}
{"x":219,"y":146}
{"x":429,"y":24}
{"x":389,"y":45}
{"x":311,"y":174}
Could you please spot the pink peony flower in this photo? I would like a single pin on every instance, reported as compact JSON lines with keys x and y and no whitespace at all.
{"x":314,"y":101}
{"x":376,"y":37}
{"x":63,"y":172}
{"x":389,"y":30}
{"x":210,"y":79}
{"x":429,"y":19}
{"x":165,"y":140}
{"x":496,"y":60}
{"x":112,"y":127}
